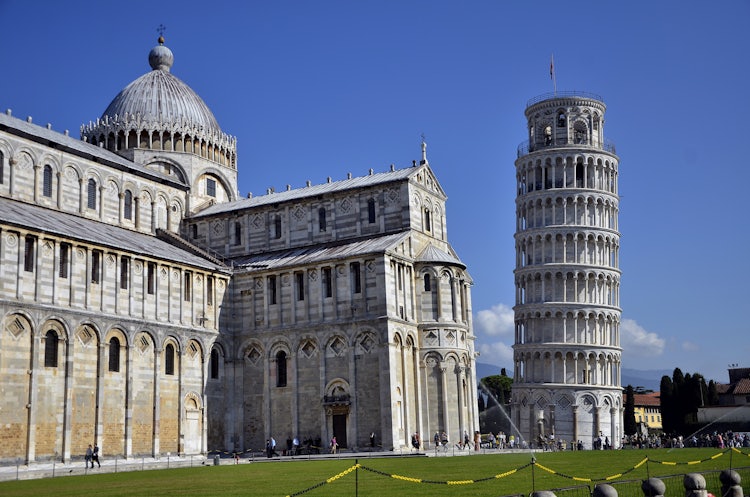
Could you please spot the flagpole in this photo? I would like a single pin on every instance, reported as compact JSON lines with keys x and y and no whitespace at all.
{"x":552,"y":72}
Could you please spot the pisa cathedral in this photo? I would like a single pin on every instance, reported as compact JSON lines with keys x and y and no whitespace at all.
{"x":567,"y":278}
{"x":148,"y":307}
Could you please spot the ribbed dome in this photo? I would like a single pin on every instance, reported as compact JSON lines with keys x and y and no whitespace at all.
{"x":159,"y":112}
{"x":161,"y":97}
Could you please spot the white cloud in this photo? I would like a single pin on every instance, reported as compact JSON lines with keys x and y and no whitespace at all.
{"x":495,"y":353}
{"x":690,"y":346}
{"x":637,"y":342}
{"x":497,"y":321}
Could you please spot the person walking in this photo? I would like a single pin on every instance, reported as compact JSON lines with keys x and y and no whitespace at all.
{"x":334,"y":445}
{"x":95,"y":456}
{"x":89,"y":456}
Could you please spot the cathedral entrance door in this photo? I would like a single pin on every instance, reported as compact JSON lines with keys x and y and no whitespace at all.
{"x":192,"y":441}
{"x":339,"y":429}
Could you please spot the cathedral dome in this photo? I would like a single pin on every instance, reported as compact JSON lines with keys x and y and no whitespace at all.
{"x":160,"y":111}
{"x":162,"y":97}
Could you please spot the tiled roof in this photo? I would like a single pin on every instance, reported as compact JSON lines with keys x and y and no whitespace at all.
{"x":433,"y":254}
{"x":722,"y":387}
{"x":78,"y":228}
{"x":742,"y":387}
{"x":652,"y":399}
{"x":318,"y":253}
{"x":80,"y":148}
{"x":309,"y":191}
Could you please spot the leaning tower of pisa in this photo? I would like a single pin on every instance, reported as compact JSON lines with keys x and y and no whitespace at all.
{"x":567,"y":277}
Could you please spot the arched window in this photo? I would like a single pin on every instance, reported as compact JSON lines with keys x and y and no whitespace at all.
{"x":47,"y":181}
{"x":124,"y":272}
{"x":427,"y":283}
{"x":281,"y":369}
{"x":128,"y":207}
{"x":214,"y":364}
{"x":169,"y":359}
{"x":237,"y":233}
{"x":64,"y":268}
{"x":354,"y":268}
{"x":29,"y":253}
{"x":91,"y":193}
{"x":322,"y":219}
{"x":272,"y":289}
{"x":50,"y":349}
{"x":2,"y":168}
{"x":114,"y":354}
{"x":211,"y":187}
{"x":427,"y":220}
{"x":277,"y":226}
{"x":371,"y":210}
{"x":579,"y":175}
{"x":561,"y":120}
{"x":581,"y":134}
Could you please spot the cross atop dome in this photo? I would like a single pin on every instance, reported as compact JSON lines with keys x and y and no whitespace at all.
{"x":161,"y":57}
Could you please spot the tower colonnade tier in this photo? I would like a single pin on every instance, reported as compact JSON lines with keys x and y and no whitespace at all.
{"x":567,"y":355}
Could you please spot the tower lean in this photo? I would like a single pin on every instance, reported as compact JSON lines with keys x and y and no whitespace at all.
{"x":567,"y":277}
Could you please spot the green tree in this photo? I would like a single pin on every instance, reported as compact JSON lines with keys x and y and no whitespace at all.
{"x":679,"y":401}
{"x":629,"y":414}
{"x":497,"y":386}
{"x":480,"y":403}
{"x":666,"y":394}
{"x":713,"y":394}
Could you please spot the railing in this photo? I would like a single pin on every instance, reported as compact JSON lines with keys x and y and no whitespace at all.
{"x":525,"y":148}
{"x":563,"y":94}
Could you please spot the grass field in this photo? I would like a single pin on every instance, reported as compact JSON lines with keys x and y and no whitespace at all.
{"x":375,"y":476}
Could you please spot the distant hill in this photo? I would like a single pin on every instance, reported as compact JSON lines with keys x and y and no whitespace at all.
{"x":484,"y":370}
{"x":648,"y":379}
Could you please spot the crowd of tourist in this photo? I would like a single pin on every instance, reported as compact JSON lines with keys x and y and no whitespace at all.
{"x":717,"y":440}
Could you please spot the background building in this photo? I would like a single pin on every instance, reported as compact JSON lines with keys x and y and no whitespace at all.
{"x":567,"y":277}
{"x":148,"y":308}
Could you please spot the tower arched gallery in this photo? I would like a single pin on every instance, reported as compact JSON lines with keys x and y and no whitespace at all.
{"x":567,"y":277}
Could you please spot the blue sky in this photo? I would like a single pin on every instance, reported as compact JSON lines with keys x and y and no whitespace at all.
{"x":313,"y":89}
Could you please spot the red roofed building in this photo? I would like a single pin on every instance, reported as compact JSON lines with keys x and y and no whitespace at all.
{"x":734,"y":402}
{"x":647,"y":407}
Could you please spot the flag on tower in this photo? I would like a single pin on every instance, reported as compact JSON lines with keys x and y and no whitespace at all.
{"x":552,"y":72}
{"x":552,"y":67}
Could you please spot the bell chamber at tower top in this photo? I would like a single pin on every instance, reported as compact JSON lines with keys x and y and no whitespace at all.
{"x":565,"y":120}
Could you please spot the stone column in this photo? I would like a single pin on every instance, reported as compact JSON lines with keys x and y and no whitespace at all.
{"x":58,"y":197}
{"x":33,"y":395}
{"x":12,"y":162}
{"x":444,"y":393}
{"x":352,"y":438}
{"x":102,"y":368}
{"x":157,"y":394}
{"x":129,"y":399}
{"x":68,"y":348}
{"x":37,"y":168}
{"x":101,"y":201}
{"x":460,"y":378}
{"x":81,"y":196}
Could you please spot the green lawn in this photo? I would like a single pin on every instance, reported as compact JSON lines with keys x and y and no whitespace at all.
{"x":282,"y":478}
